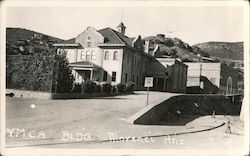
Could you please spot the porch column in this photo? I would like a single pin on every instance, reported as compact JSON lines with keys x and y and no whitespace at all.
{"x":91,"y":74}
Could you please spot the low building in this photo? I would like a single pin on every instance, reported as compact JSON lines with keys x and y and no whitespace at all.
{"x":223,"y":78}
{"x":169,"y":74}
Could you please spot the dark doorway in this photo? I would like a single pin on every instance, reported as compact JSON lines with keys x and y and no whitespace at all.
{"x":160,"y":84}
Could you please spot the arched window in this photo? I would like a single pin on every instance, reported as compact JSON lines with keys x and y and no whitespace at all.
{"x":106,"y":55}
{"x":115,"y":57}
{"x":93,"y":57}
{"x":83,"y":55}
{"x":88,"y":55}
{"x":229,"y":85}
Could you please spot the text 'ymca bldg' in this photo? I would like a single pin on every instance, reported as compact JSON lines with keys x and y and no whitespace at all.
{"x":110,"y":56}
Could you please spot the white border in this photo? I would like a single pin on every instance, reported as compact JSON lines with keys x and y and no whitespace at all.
{"x":50,"y":151}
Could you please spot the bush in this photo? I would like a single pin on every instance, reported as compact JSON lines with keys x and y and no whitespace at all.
{"x":77,"y":88}
{"x":121,"y":88}
{"x":106,"y":88}
{"x":88,"y":86}
{"x":114,"y":89}
{"x":129,"y":87}
{"x":98,"y":88}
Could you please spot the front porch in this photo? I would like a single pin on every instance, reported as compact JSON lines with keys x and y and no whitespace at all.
{"x":85,"y":70}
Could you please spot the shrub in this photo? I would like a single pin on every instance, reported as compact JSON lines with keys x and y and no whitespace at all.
{"x":129,"y":87}
{"x":114,"y":89}
{"x":77,"y":88}
{"x":88,"y":86}
{"x":121,"y":88}
{"x":98,"y":88}
{"x":106,"y":88}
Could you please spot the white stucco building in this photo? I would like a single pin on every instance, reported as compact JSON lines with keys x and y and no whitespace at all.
{"x":108,"y":55}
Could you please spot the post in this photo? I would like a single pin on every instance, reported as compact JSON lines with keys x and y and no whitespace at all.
{"x":147,"y":95}
{"x":200,"y":78}
{"x":148,"y":83}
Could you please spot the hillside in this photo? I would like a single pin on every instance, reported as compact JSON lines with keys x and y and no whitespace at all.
{"x":26,"y":42}
{"x":15,"y":34}
{"x":222,"y":50}
{"x":173,"y":47}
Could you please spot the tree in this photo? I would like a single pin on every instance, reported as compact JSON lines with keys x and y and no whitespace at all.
{"x":62,"y":78}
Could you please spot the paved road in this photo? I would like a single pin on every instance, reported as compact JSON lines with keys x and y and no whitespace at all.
{"x":59,"y":122}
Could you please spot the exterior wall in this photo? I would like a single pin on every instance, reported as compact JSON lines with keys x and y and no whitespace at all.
{"x":228,"y":72}
{"x":135,"y":66}
{"x":89,"y":38}
{"x":169,"y":75}
{"x":218,"y":74}
{"x":112,"y":65}
{"x":127,"y":65}
{"x":136,"y":70}
{"x":209,"y":70}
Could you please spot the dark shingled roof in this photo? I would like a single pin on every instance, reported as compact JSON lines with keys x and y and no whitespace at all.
{"x":70,"y":41}
{"x":110,"y":37}
{"x":113,"y":37}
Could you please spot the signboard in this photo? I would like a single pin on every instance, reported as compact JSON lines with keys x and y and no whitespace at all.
{"x":148,"y":82}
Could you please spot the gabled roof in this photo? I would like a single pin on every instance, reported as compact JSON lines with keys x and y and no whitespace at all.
{"x":113,"y":37}
{"x":85,"y":64}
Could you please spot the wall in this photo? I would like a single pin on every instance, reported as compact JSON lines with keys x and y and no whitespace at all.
{"x":171,"y":71}
{"x":226,"y":72}
{"x":111,"y":65}
{"x":209,"y":70}
{"x":207,"y":104}
{"x":29,"y":94}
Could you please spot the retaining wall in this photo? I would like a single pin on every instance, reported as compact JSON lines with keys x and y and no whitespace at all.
{"x":191,"y":105}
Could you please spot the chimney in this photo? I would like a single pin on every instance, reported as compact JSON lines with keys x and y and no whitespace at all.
{"x":146,"y":47}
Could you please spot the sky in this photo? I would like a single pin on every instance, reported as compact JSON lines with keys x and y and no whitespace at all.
{"x":192,"y":24}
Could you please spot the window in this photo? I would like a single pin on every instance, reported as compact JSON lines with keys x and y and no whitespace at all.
{"x":83,"y":55}
{"x":93,"y":57}
{"x":105,"y":76}
{"x":133,"y":78}
{"x":88,"y":55}
{"x":115,"y":57}
{"x":113,"y":76}
{"x":89,"y":38}
{"x":88,"y":44}
{"x":134,"y":60}
{"x":106,"y":55}
{"x":126,"y":77}
{"x":128,"y":59}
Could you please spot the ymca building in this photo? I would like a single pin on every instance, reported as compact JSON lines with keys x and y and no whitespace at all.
{"x":108,"y":55}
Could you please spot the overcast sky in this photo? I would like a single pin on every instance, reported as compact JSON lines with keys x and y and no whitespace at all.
{"x":193,"y":25}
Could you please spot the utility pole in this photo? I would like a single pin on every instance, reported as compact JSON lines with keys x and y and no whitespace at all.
{"x":200,"y":76}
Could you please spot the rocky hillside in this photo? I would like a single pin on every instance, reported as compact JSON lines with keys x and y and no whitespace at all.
{"x":174,"y":47}
{"x":222,"y":50}
{"x":26,"y":42}
{"x":15,"y":34}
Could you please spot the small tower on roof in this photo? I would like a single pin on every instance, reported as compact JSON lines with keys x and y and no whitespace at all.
{"x":121,"y":28}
